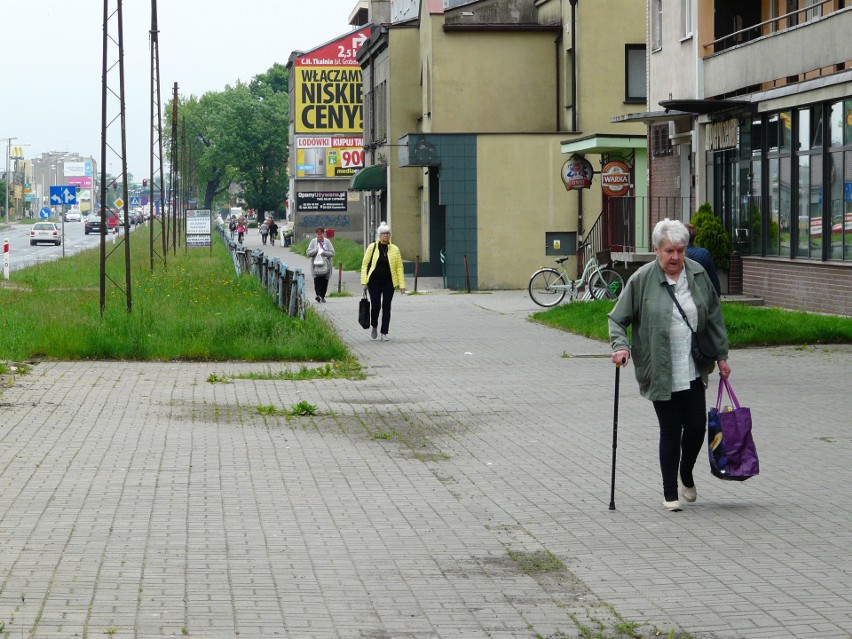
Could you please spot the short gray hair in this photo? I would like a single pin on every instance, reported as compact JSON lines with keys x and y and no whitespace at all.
{"x":383,"y":228}
{"x":671,"y":230}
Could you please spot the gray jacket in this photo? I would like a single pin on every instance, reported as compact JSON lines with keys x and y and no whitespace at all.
{"x":646,"y":305}
{"x":327,"y":254}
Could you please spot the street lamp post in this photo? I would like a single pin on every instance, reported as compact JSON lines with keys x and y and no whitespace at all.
{"x":8,"y":153}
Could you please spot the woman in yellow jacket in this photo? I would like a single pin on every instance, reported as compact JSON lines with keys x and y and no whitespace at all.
{"x":381,"y":273}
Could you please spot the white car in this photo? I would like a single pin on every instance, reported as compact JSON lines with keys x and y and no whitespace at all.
{"x":45,"y":232}
{"x":73,"y":216}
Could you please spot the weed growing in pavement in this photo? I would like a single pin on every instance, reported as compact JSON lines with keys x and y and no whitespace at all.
{"x":302,"y":408}
{"x":348,"y":369}
{"x":538,"y":561}
{"x":213,"y":378}
{"x":195,"y":310}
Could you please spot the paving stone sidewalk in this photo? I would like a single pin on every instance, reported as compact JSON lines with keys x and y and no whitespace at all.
{"x":430,"y":499}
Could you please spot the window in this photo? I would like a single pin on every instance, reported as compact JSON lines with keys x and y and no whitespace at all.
{"x":686,"y":17}
{"x":661,"y":143}
{"x":635,"y":87}
{"x":657,"y":24}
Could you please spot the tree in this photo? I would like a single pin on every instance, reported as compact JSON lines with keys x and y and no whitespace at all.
{"x":710,"y":234}
{"x":240,"y":135}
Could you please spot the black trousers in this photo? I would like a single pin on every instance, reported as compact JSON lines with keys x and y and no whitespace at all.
{"x":381,"y":295}
{"x":321,"y":286}
{"x":683,"y":420}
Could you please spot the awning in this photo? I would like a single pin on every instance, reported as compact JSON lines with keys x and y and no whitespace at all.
{"x":706,"y":107}
{"x":371,"y":178}
{"x":603,"y":143}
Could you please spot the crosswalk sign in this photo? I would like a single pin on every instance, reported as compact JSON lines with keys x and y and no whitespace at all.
{"x":135,"y":201}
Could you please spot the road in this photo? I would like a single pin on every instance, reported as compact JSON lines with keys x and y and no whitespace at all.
{"x":22,"y":255}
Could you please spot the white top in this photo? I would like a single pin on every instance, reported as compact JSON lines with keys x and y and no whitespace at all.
{"x":680,"y":335}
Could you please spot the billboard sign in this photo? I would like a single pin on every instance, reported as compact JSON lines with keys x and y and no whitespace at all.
{"x":333,"y":156}
{"x":329,"y":93}
{"x":77,"y":169}
{"x":321,"y":201}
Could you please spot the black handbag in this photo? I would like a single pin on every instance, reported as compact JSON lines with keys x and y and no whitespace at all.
{"x":364,"y":312}
{"x":703,"y":351}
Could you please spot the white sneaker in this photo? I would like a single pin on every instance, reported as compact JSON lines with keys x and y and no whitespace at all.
{"x":672,"y":506}
{"x":385,"y":337}
{"x":690,"y":494}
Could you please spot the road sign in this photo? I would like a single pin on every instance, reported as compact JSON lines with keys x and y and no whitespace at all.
{"x":135,"y":200}
{"x":118,"y":202}
{"x":144,"y":200}
{"x":62,"y":195}
{"x":44,"y":213}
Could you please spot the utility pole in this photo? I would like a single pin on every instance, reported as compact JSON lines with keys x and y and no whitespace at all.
{"x":8,"y":155}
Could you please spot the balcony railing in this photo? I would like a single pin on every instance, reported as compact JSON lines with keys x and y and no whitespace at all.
{"x":773,"y":25}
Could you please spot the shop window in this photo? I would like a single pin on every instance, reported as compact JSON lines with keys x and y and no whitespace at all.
{"x":835,"y":117}
{"x":804,"y":202}
{"x":635,"y":86}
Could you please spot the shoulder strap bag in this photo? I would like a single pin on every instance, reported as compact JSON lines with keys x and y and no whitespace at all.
{"x":703,"y":351}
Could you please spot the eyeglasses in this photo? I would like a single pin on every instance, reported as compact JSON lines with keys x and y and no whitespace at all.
{"x":386,"y":233}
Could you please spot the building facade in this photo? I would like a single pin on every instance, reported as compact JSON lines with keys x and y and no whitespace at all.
{"x":468,"y":105}
{"x":750,"y":109}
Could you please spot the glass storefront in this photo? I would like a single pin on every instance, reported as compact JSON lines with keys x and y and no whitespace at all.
{"x":786,"y":190}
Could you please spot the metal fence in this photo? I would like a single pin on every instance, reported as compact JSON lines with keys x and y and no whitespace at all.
{"x":285,"y":285}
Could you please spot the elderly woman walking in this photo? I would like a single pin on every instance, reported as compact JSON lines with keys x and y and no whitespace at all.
{"x":321,"y":251}
{"x":381,"y":273}
{"x":661,"y":338}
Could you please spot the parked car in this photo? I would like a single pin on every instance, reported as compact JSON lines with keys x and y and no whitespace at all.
{"x":73,"y":216}
{"x":45,"y":232}
{"x":93,"y":222}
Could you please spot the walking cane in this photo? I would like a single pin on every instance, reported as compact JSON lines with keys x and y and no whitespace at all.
{"x":614,"y":434}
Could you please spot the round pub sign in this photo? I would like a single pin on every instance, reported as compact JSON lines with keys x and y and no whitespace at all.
{"x":577,"y":173}
{"x":615,"y":179}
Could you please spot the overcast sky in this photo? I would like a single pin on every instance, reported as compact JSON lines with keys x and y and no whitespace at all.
{"x":52,"y":58}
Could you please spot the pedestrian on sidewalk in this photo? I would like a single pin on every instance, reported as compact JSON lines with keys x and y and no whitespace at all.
{"x":321,"y":250}
{"x":263,"y":229}
{"x":381,"y":274}
{"x":703,"y":257}
{"x":661,"y":345}
{"x":273,"y":231}
{"x":241,"y":230}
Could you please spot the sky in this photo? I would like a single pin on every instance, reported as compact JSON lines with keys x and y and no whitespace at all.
{"x":52,"y":63}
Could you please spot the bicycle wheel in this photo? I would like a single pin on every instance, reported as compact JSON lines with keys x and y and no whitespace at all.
{"x":605,"y":284}
{"x":541,"y":287}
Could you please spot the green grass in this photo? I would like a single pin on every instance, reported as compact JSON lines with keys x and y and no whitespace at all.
{"x":346,"y":252}
{"x":196,"y":309}
{"x":747,"y":325}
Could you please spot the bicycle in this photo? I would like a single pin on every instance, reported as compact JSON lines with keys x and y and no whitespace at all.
{"x":548,"y":286}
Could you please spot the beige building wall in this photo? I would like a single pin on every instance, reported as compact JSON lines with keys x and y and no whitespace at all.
{"x":403,"y":66}
{"x":603,"y":28}
{"x":520,"y":196}
{"x":505,"y":80}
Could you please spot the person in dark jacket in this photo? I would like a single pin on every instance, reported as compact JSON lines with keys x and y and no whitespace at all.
{"x":660,"y":347}
{"x":703,"y":257}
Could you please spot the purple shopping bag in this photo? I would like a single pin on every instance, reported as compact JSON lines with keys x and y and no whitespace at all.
{"x":729,"y":441}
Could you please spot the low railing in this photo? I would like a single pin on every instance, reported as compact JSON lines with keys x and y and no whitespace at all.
{"x":285,"y":285}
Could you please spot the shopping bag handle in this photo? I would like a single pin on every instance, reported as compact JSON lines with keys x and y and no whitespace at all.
{"x":725,"y":384}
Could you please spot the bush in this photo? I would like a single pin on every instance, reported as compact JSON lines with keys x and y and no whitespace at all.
{"x":711,"y":234}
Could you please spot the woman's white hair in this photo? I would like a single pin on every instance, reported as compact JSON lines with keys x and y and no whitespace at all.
{"x":383,"y":228}
{"x":671,"y":230}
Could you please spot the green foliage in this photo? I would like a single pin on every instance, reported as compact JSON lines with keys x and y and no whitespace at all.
{"x":302,"y":408}
{"x":240,"y":135}
{"x":534,"y":562}
{"x":196,"y":309}
{"x":711,"y":235}
{"x":346,"y":252}
{"x":746,"y":325}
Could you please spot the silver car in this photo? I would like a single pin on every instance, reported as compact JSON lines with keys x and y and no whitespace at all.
{"x":45,"y":232}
